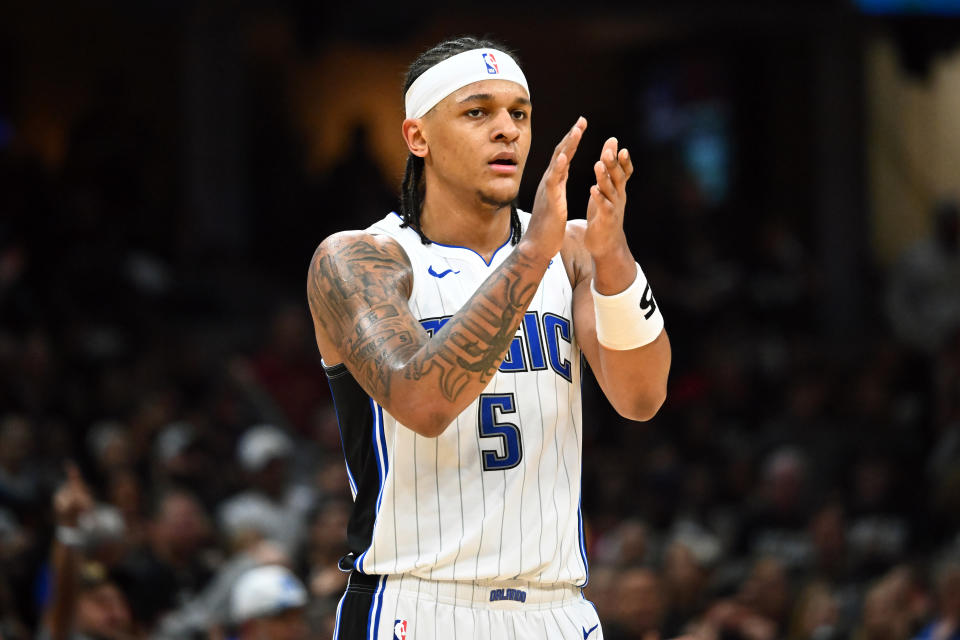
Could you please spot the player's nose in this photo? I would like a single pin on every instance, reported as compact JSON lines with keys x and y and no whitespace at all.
{"x":505,"y":127}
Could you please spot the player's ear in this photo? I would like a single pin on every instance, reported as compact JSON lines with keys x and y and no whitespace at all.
{"x":413,"y":135}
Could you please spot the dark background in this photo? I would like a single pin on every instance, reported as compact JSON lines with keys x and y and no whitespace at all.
{"x":167,"y":168}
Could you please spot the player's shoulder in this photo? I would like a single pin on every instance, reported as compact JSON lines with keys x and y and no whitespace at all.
{"x":362,"y":245}
{"x":352,"y":258}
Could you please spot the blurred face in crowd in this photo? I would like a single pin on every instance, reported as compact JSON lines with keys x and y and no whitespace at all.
{"x":125,"y":493}
{"x":684,"y":577}
{"x":767,"y":589}
{"x":325,"y":547}
{"x":272,"y":478}
{"x":286,"y":625}
{"x":641,"y":600}
{"x":827,"y":532}
{"x":15,"y":442}
{"x":817,"y":609}
{"x":602,"y":591}
{"x":948,"y":592}
{"x":784,"y":481}
{"x":633,"y":541}
{"x":884,"y":614}
{"x":102,"y":612}
{"x":181,"y":527}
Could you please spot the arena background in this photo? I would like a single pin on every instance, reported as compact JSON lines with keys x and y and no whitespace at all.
{"x":167,"y":168}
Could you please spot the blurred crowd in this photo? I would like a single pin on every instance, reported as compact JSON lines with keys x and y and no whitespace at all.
{"x":170,"y":462}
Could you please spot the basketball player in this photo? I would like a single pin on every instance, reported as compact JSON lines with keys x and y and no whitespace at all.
{"x":451,"y":333}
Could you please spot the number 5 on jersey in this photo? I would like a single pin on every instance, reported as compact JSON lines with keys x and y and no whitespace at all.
{"x":490,"y":408}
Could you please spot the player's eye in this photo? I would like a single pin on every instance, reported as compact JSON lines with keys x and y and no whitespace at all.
{"x":519,"y":114}
{"x":475,"y":112}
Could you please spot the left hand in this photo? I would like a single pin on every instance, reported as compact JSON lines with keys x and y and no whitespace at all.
{"x":72,"y":499}
{"x":608,"y":199}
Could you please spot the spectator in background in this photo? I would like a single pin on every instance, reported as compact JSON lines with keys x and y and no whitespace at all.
{"x":19,"y":483}
{"x":816,"y":615}
{"x":922,"y":300}
{"x":946,"y":625}
{"x":325,"y":546}
{"x":831,"y":575}
{"x":891,"y":608}
{"x":208,"y":615}
{"x":109,"y":444}
{"x":273,"y":508}
{"x":87,"y":602}
{"x":684,"y":586}
{"x":171,"y":568}
{"x":878,"y":532}
{"x":640,"y":605}
{"x":775,"y":523}
{"x":626,"y":545}
{"x":758,"y":611}
{"x":289,"y":370}
{"x":175,"y":455}
{"x":268,"y":603}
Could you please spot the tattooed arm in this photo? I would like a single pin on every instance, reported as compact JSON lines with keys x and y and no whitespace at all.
{"x":359,"y":286}
{"x":358,"y":290}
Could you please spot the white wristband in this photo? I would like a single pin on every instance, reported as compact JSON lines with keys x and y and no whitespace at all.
{"x":71,"y":537}
{"x":628,"y":319}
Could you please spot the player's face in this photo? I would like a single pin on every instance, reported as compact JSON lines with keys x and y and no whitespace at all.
{"x":478,"y":139}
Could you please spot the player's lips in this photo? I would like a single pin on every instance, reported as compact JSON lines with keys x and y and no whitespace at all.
{"x":504,"y":162}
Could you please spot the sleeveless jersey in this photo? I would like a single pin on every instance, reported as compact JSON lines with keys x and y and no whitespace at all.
{"x":497,"y":495}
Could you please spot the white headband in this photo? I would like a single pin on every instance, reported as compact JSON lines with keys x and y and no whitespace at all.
{"x":445,"y":77}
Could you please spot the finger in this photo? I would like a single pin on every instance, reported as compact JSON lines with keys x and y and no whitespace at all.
{"x":604,"y":181}
{"x":626,"y":163}
{"x":601,"y":203}
{"x":569,"y":143}
{"x":73,"y":473}
{"x":609,"y":156}
{"x":561,"y":166}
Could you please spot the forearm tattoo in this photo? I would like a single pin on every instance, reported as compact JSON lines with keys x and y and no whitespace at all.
{"x":358,"y":292}
{"x":472,"y":344}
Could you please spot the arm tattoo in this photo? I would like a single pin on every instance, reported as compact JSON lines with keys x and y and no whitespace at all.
{"x":472,"y":344}
{"x":355,"y":293}
{"x":359,"y":291}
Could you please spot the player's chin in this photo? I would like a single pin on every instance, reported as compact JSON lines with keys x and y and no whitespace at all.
{"x":498,"y":198}
{"x":501,"y":189}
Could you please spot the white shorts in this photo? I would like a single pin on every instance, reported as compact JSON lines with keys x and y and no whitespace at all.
{"x":403,"y":607}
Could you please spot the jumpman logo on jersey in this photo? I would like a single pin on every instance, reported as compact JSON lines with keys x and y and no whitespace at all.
{"x":442,"y":273}
{"x":586,"y":634}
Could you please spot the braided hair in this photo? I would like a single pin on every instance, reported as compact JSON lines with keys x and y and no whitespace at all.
{"x":413,"y":188}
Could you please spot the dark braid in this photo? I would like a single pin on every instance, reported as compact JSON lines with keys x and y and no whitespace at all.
{"x":413,"y":187}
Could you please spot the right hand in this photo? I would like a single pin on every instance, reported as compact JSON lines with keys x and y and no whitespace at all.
{"x":72,"y":499}
{"x":548,"y":222}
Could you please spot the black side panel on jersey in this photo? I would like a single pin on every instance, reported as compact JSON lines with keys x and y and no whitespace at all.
{"x":355,"y":415}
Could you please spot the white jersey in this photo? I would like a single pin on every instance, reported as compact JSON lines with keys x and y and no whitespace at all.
{"x":497,"y":495}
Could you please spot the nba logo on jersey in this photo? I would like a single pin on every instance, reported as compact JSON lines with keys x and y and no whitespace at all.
{"x":399,"y":630}
{"x":491,"y":63}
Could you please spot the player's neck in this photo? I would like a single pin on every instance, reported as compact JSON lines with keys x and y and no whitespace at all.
{"x":477,"y":226}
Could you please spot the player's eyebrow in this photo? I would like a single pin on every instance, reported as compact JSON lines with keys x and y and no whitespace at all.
{"x":488,"y":97}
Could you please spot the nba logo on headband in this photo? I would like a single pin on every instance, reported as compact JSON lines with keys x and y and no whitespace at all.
{"x":491,"y":63}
